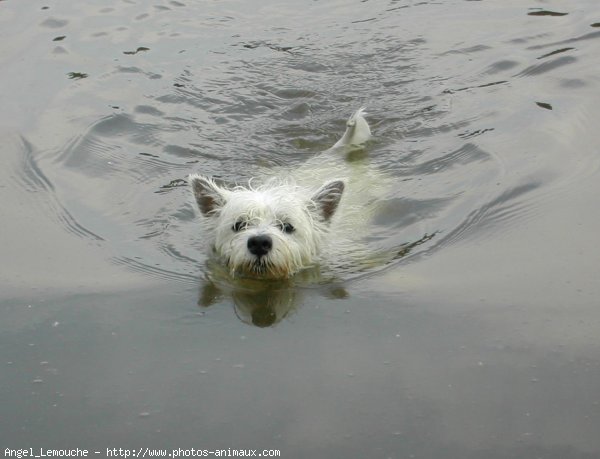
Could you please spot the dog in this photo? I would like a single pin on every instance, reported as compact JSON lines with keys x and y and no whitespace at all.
{"x":289,"y":222}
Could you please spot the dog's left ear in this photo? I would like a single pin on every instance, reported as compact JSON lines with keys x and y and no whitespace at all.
{"x":209,"y":196}
{"x":327,"y":198}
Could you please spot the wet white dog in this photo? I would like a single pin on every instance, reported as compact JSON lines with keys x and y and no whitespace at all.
{"x":291,"y":221}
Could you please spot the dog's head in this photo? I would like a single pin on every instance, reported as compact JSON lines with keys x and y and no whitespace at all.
{"x":270,"y":231}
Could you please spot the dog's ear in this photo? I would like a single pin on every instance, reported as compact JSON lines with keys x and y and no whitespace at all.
{"x":209,"y":196}
{"x":327,"y":198}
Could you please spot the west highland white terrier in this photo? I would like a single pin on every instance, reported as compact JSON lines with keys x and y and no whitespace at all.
{"x":290,"y":221}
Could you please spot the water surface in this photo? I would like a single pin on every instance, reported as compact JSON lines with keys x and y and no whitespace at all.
{"x":479,"y":342}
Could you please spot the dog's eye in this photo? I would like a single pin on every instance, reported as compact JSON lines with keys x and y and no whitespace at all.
{"x":239,"y":226}
{"x":287,"y":228}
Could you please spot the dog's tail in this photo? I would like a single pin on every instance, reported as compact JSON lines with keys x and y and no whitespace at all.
{"x":357,"y":130}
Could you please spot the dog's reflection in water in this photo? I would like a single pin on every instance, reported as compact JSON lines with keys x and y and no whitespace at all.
{"x":265,"y":302}
{"x":261,"y":302}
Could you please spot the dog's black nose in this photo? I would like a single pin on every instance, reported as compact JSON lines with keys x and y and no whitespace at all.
{"x":260,"y":245}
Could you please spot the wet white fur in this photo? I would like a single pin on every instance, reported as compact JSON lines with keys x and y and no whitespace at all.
{"x":357,"y":130}
{"x":312,"y":199}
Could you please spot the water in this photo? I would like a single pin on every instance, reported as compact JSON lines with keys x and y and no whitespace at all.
{"x":479,"y":342}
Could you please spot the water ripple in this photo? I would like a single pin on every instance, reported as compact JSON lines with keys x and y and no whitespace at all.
{"x":497,"y":213}
{"x":156,"y":271}
{"x":34,"y":180}
{"x":544,"y":67}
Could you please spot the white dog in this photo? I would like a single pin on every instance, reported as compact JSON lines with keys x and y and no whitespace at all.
{"x":285,"y":224}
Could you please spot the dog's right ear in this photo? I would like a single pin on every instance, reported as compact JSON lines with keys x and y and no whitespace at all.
{"x":209,"y":196}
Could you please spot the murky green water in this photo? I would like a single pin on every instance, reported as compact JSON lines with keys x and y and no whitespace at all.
{"x":479,"y":342}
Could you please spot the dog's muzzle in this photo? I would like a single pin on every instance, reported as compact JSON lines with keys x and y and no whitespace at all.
{"x":260,"y":245}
